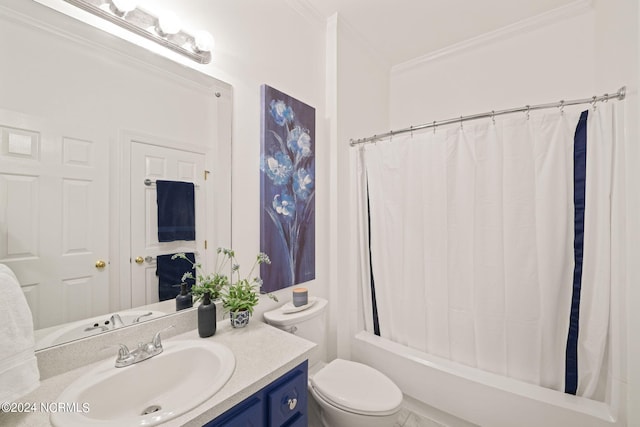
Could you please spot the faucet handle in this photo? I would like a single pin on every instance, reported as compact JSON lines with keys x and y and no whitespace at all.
{"x":123,"y":351}
{"x":156,"y":341}
{"x":123,"y":354}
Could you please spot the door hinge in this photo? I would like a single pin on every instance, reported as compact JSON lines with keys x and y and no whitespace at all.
{"x":206,"y":174}
{"x":205,"y":245}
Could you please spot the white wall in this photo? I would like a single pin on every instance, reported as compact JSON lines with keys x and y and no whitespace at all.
{"x":617,"y":55}
{"x":358,"y":102}
{"x":266,"y":42}
{"x":593,"y":49}
{"x":535,"y":63}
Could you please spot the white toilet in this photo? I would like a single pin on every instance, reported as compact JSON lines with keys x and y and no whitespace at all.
{"x":348,"y":393}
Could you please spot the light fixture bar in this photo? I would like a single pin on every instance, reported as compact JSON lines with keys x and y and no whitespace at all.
{"x":144,"y":24}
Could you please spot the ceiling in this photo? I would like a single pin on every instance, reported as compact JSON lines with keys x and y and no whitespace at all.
{"x":400,"y":30}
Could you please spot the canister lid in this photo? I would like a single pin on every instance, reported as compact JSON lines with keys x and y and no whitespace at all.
{"x":283,"y":317}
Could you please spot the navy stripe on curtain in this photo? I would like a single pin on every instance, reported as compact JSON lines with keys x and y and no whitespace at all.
{"x":374,"y":304}
{"x":579,"y":189}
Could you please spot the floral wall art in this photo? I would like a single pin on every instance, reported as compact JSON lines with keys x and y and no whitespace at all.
{"x":287,"y":190}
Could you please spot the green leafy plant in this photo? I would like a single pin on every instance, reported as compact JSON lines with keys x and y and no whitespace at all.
{"x":243,"y":293}
{"x":213,"y":283}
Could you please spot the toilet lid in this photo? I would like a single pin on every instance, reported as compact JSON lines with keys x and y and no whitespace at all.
{"x":358,"y":388}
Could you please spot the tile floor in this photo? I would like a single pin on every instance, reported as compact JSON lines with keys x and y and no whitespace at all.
{"x":407,"y":418}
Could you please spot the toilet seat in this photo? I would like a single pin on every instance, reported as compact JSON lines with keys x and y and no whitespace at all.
{"x":357,"y":388}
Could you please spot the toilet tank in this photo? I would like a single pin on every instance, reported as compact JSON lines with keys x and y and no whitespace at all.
{"x":309,"y":324}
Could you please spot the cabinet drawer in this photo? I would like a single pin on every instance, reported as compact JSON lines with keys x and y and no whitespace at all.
{"x":288,"y":400}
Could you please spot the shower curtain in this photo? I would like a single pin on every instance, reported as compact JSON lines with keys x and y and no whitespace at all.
{"x":477,"y":245}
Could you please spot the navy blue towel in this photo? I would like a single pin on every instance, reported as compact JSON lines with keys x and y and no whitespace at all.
{"x":176,"y":211}
{"x":170,"y":271}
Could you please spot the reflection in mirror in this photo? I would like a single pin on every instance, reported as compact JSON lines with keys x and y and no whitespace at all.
{"x":88,"y":125}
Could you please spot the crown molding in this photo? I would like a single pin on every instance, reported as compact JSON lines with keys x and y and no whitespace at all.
{"x":349,"y":31}
{"x":305,"y":9}
{"x":570,"y":10}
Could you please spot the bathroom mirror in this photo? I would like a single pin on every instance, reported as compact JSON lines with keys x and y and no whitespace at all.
{"x":88,"y":123}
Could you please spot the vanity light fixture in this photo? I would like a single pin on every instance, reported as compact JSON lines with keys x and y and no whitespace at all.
{"x":168,"y":24}
{"x":122,"y":7}
{"x":164,"y":28}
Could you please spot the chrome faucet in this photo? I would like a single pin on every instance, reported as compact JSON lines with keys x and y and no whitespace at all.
{"x":140,"y":317}
{"x":143,"y":352}
{"x":116,"y":321}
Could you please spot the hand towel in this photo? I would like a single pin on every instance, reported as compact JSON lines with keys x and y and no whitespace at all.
{"x":19,"y":374}
{"x":176,"y":211}
{"x":170,"y":271}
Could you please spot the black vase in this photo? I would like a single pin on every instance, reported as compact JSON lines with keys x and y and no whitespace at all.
{"x":184,"y":299}
{"x":206,"y":317}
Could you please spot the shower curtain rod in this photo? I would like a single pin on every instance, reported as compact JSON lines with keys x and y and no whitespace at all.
{"x":620,"y":94}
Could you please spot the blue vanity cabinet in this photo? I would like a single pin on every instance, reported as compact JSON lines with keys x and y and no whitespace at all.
{"x":283,"y":403}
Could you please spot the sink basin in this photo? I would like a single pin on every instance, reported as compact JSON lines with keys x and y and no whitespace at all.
{"x":85,"y":328}
{"x":147,"y":393}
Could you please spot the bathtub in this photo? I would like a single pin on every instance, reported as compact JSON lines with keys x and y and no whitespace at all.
{"x":480,"y":397}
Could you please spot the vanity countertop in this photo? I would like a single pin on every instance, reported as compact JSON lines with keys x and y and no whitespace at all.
{"x":263,"y":353}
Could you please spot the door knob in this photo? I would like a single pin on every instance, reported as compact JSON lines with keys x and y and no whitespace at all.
{"x":139,"y":260}
{"x":100,"y":264}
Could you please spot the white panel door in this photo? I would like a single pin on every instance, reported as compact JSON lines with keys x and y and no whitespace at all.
{"x":155,"y":162}
{"x":54,"y":215}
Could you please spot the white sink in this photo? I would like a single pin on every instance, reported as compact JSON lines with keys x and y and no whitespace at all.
{"x":150,"y":392}
{"x":86,"y":328}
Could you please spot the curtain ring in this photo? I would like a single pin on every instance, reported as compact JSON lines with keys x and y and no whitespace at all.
{"x":593,"y":102}
{"x":493,"y":116}
{"x":460,"y":122}
{"x":411,"y":130}
{"x":434,"y":127}
{"x":528,"y":111}
{"x":561,"y":106}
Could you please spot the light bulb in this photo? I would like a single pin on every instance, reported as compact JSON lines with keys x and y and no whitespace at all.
{"x":124,"y":6}
{"x":203,"y":41}
{"x":168,"y":23}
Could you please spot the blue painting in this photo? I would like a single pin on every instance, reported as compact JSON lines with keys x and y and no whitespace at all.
{"x":287,"y":190}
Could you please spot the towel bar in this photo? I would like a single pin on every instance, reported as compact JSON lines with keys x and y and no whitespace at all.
{"x":149,"y":183}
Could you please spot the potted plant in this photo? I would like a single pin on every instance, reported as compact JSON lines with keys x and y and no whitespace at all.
{"x":213,"y":283}
{"x":241,"y":295}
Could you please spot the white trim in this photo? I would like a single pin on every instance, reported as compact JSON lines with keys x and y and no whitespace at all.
{"x":305,"y":9}
{"x":348,"y":30}
{"x":573,"y":9}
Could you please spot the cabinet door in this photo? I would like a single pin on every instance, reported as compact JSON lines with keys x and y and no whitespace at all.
{"x":287,"y":402}
{"x":246,"y":414}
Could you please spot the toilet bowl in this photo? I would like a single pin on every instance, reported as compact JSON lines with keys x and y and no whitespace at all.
{"x":354,"y":395}
{"x":348,"y":394}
